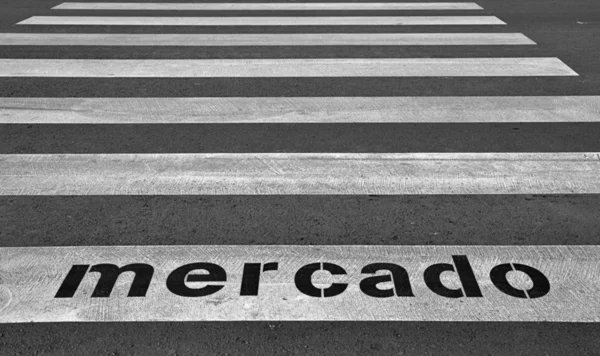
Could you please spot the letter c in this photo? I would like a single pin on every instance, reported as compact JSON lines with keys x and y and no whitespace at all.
{"x":303,"y":280}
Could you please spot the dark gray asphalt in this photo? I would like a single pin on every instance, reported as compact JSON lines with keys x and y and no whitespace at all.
{"x":306,"y":338}
{"x":212,"y":52}
{"x":301,"y":220}
{"x":251,"y":138}
{"x":568,"y":29}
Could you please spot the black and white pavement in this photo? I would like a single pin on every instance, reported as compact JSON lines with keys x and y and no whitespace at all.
{"x":412,"y":134}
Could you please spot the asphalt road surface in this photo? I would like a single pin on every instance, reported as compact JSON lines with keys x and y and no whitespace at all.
{"x":567,"y":30}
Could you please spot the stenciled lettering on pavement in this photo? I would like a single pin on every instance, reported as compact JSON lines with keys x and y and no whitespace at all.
{"x":395,"y":277}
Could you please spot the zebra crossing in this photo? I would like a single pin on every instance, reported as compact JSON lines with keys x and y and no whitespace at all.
{"x":32,"y":277}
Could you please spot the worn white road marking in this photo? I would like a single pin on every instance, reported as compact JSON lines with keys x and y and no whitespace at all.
{"x":33,"y":277}
{"x":300,"y":110}
{"x":283,"y":39}
{"x":263,"y":21}
{"x":299,"y":173}
{"x":362,"y":67}
{"x":267,"y":6}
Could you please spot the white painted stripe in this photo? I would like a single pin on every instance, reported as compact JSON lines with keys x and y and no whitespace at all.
{"x":31,"y":277}
{"x":300,"y":173}
{"x":362,"y":67}
{"x":263,"y":21}
{"x":299,"y":110}
{"x":283,"y":39}
{"x":267,"y":6}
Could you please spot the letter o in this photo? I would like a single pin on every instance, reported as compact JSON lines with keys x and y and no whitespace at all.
{"x":541,"y":285}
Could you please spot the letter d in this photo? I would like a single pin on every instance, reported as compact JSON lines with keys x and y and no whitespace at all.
{"x":465,"y":273}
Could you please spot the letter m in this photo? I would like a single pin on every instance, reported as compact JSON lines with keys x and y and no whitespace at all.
{"x":109,"y":274}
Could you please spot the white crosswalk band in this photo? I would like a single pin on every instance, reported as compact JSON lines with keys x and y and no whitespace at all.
{"x":287,"y":39}
{"x":220,"y":68}
{"x":475,"y":109}
{"x":300,"y":173}
{"x":266,"y":6}
{"x":28,"y":292}
{"x":263,"y":21}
